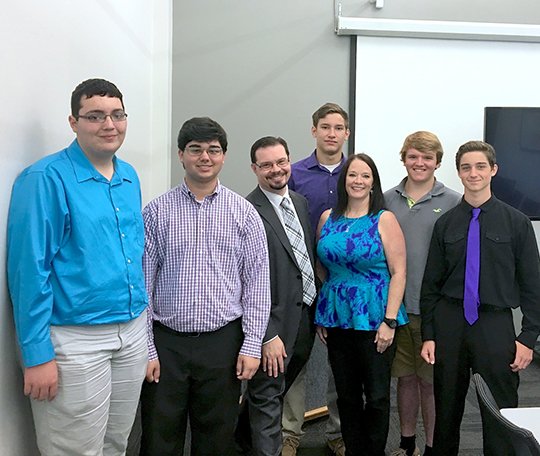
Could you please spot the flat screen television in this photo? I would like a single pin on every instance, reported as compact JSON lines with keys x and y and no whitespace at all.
{"x":515,"y":135}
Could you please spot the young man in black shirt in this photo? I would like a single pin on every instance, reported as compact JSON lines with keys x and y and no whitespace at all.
{"x":463,"y":331}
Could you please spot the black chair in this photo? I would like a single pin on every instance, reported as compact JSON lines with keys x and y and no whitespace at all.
{"x":523,"y":440}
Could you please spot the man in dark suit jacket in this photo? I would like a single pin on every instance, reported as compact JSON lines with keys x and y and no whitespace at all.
{"x":289,"y":337}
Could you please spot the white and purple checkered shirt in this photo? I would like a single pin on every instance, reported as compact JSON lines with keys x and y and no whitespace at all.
{"x":206,"y":264}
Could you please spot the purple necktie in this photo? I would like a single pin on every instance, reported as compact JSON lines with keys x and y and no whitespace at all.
{"x":471,"y":298}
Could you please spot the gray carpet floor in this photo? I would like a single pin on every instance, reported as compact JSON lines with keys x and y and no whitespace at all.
{"x":313,"y":443}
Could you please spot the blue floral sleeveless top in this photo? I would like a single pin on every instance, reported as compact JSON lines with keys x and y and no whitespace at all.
{"x":355,"y":292}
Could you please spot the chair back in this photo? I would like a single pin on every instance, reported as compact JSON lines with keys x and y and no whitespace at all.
{"x":522,"y":439}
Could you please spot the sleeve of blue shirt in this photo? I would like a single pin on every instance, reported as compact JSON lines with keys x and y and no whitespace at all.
{"x":38,"y":222}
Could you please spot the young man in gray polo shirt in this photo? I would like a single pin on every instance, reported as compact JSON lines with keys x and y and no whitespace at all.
{"x":417,"y":201}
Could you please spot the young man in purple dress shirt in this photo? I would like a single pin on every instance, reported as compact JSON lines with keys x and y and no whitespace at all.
{"x":207,"y":277}
{"x":315,"y":177}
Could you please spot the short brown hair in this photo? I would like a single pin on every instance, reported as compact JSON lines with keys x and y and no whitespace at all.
{"x":477,"y":146}
{"x":90,"y":88}
{"x":201,"y":129}
{"x":329,"y":108}
{"x":267,"y":141}
{"x":422,"y":141}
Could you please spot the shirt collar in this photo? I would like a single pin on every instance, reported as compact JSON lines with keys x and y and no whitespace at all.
{"x":486,"y":207}
{"x":437,"y":189}
{"x":187,"y":192}
{"x":312,"y":162}
{"x":274,"y":198}
{"x":85,"y":170}
{"x":400,"y":188}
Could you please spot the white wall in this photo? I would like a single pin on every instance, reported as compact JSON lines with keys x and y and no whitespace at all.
{"x":46,"y":50}
{"x":407,"y":84}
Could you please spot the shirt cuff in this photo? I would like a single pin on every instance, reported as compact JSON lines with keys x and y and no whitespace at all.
{"x":528,"y":339}
{"x":152,"y":351}
{"x":36,"y":354}
{"x":270,"y":340}
{"x":252,"y":348}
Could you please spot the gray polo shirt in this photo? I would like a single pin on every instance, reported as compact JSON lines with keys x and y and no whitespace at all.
{"x":417,"y":225}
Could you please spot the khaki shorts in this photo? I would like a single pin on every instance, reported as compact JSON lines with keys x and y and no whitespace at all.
{"x":409,"y":344}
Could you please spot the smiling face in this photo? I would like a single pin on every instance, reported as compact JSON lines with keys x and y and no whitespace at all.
{"x":420,"y":166}
{"x":202,"y":168}
{"x":330,"y":135}
{"x":359,"y":180}
{"x":99,"y":141}
{"x":475,"y":173}
{"x":276,"y":177}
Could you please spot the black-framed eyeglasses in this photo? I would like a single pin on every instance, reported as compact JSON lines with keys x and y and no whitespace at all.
{"x":197,"y":151}
{"x":101,"y":117}
{"x":267,"y":166}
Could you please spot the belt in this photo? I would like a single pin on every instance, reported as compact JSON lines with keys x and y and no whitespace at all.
{"x":166,"y":329}
{"x":481,"y":307}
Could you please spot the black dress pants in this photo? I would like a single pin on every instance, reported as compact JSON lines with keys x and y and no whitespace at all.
{"x":259,"y":426}
{"x":487,"y":347}
{"x":198,"y":381}
{"x":362,"y":377}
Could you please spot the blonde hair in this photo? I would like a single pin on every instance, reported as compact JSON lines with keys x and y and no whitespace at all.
{"x":422,"y":141}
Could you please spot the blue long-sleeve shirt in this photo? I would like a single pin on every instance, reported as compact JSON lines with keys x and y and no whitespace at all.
{"x":74,"y":245}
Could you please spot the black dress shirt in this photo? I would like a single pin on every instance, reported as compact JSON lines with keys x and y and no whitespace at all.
{"x":509,"y":265}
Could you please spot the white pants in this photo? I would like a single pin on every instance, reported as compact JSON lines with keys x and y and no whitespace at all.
{"x":100,"y":372}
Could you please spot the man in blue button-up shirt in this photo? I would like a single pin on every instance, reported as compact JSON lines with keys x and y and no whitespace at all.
{"x":75,"y":245}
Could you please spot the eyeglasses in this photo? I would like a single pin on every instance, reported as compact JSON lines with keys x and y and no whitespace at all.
{"x":101,"y":117}
{"x":267,"y":166}
{"x":197,"y":151}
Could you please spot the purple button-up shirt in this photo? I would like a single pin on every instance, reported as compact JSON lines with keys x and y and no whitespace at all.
{"x":206,"y":264}
{"x":317,"y":184}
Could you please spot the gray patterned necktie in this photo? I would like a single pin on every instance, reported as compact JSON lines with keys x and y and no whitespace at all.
{"x":294,"y":233}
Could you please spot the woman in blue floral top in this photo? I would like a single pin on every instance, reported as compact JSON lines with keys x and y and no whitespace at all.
{"x":361,"y":253}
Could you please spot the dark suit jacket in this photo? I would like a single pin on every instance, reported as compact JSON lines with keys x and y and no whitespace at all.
{"x":259,"y":423}
{"x":285,"y":275}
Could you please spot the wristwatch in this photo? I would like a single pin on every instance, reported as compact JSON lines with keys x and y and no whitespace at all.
{"x":391,"y":322}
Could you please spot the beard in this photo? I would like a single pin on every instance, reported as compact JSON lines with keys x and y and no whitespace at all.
{"x":277,"y":185}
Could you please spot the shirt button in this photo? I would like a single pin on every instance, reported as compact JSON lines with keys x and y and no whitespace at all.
{"x":117,"y":209}
{"x":129,"y":261}
{"x":123,"y":235}
{"x":331,"y":191}
{"x":131,"y":286}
